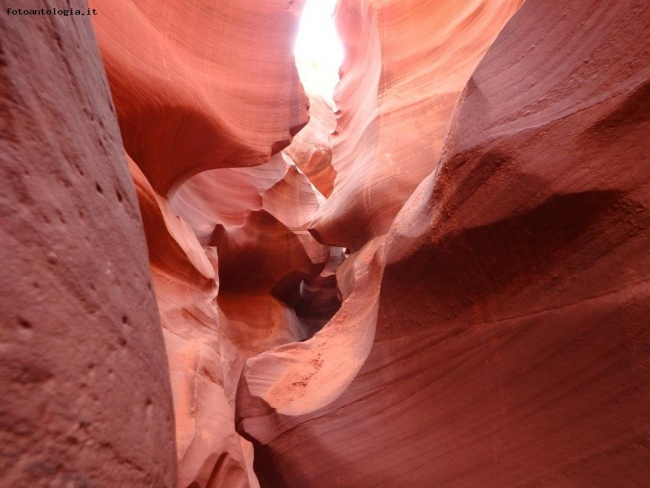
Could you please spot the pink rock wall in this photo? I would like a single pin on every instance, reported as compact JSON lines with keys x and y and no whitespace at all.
{"x":442,"y":283}
{"x":217,"y":101}
{"x":512,"y":337}
{"x":406,"y":63}
{"x":201,"y":85}
{"x":368,"y":191}
{"x":186,"y":287}
{"x":311,"y":149}
{"x":86,"y":398}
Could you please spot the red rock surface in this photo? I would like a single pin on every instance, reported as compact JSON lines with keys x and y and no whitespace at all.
{"x":197,"y":87}
{"x":86,"y":398}
{"x":210,"y":453}
{"x":512,"y":338}
{"x":311,"y":149}
{"x":492,"y":332}
{"x":376,"y":111}
{"x":406,"y":63}
{"x":201,"y":85}
{"x":213,"y":323}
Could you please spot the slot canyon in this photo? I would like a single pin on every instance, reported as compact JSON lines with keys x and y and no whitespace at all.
{"x":436,"y":277}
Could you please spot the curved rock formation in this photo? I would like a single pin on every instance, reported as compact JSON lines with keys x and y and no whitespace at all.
{"x":199,"y":355}
{"x":386,"y":57}
{"x":257,"y":218}
{"x":405,"y":65}
{"x":311,"y":149}
{"x":444,"y":282}
{"x":300,"y":378}
{"x":86,"y":398}
{"x":512,"y":339}
{"x":201,"y":85}
{"x":198,"y":87}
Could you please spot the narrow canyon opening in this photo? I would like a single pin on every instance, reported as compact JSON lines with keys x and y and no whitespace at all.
{"x":253,"y":216}
{"x":318,"y":49}
{"x":225,"y":267}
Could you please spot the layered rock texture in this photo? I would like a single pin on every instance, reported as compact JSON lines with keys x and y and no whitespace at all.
{"x":441,"y":280}
{"x":200,"y":85}
{"x":198,"y":88}
{"x":512,"y":335}
{"x":405,"y":66}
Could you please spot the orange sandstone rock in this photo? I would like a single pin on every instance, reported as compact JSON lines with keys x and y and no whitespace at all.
{"x":405,"y":66}
{"x":201,"y":85}
{"x":512,"y":338}
{"x":202,"y":360}
{"x":311,"y":149}
{"x":492,"y":332}
{"x":198,"y":87}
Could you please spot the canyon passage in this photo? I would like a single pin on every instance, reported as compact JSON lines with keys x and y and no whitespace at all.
{"x":428,"y":268}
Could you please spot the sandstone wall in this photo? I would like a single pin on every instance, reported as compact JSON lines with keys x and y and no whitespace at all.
{"x":512,"y":337}
{"x":86,"y":398}
{"x":441,"y":281}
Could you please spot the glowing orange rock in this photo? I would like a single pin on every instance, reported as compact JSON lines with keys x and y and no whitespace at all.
{"x":201,"y":85}
{"x":405,"y":66}
{"x":512,"y":337}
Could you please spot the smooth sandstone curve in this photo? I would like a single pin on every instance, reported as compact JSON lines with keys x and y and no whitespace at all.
{"x":201,"y":85}
{"x":512,"y":337}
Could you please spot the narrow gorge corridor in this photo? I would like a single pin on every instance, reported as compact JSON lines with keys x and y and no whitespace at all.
{"x":403,"y":245}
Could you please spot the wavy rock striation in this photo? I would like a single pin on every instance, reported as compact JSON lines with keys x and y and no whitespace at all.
{"x":201,"y":85}
{"x":186,"y":287}
{"x":299,"y":379}
{"x":512,"y":337}
{"x":443,"y":280}
{"x":368,"y":192}
{"x":311,"y":149}
{"x":406,"y":64}
{"x":228,"y":273}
